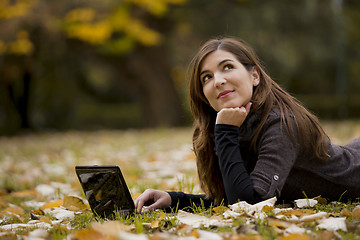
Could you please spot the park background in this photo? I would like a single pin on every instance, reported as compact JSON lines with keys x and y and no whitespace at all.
{"x":122,"y":64}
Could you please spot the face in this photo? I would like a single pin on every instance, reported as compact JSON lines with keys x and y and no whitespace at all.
{"x":226,"y":82}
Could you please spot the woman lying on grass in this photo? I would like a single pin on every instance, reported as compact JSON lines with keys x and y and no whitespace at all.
{"x":253,"y":140}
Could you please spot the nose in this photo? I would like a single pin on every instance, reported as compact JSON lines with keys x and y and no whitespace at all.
{"x":219,"y":80}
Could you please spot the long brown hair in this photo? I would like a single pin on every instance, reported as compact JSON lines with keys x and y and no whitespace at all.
{"x":267,"y":95}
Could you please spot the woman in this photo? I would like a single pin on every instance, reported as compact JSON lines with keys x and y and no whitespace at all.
{"x":254,"y":141}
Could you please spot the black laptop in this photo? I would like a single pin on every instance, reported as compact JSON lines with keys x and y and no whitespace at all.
{"x":106,"y":190}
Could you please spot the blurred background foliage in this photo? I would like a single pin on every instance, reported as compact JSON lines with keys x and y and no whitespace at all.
{"x":122,"y":64}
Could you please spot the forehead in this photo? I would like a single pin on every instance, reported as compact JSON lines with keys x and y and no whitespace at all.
{"x":214,"y":58}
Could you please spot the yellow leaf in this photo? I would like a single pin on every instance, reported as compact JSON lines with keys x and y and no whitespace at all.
{"x":87,"y":234}
{"x":52,"y":204}
{"x":162,"y":216}
{"x":220,"y":209}
{"x":278,"y":223}
{"x":155,"y":224}
{"x":297,"y":237}
{"x":74,"y":203}
{"x":267,"y":209}
{"x":194,"y":233}
{"x":45,"y":219}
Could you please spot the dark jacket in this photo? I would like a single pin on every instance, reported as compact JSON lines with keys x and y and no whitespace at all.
{"x":279,"y":166}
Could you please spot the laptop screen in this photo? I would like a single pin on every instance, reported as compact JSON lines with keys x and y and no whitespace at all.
{"x":106,"y":190}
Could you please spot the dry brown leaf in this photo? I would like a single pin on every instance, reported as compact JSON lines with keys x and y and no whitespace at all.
{"x":356,"y":212}
{"x":45,"y":219}
{"x":288,"y":213}
{"x":267,"y":208}
{"x":297,"y":237}
{"x":87,"y":234}
{"x":220,"y":209}
{"x":346,"y":213}
{"x":13,"y":210}
{"x":278,"y":223}
{"x":155,"y":224}
{"x":52,"y":204}
{"x":111,"y":227}
{"x":74,"y":203}
{"x":326,"y":235}
{"x":194,"y":233}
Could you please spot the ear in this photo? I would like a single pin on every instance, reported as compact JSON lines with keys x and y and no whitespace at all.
{"x":255,"y":74}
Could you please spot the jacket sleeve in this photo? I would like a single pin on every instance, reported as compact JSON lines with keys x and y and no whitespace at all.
{"x":277,"y":156}
{"x":236,"y":179}
{"x":182,"y":200}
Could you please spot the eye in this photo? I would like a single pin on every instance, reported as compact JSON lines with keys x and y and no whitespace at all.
{"x":205,"y":78}
{"x":228,"y":67}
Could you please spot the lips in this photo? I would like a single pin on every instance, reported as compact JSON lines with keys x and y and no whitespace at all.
{"x":225,"y":93}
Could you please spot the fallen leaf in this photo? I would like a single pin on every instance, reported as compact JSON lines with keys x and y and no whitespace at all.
{"x":86,"y":234}
{"x":297,"y":237}
{"x":111,"y":228}
{"x":13,"y":210}
{"x":346,"y":213}
{"x":332,"y":224}
{"x":73,"y":203}
{"x":302,"y":203}
{"x":220,"y":209}
{"x":194,"y":233}
{"x":253,"y":210}
{"x":197,"y":221}
{"x":38,"y":234}
{"x":278,"y":223}
{"x":312,"y":217}
{"x":52,"y":204}
{"x":327,"y":235}
{"x":356,"y":212}
{"x":60,"y":213}
{"x":155,"y":224}
{"x":45,"y":219}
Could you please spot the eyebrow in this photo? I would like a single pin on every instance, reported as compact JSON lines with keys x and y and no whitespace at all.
{"x":220,"y":63}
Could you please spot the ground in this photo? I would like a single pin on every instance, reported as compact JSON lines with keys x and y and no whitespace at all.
{"x":40,"y":197}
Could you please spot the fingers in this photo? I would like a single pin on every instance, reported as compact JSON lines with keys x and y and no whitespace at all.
{"x":146,"y":196}
{"x":153,"y":199}
{"x":233,"y":116}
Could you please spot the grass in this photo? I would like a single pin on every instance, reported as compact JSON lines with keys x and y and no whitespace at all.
{"x":151,"y":158}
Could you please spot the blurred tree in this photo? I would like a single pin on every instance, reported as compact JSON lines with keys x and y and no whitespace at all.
{"x":48,"y":48}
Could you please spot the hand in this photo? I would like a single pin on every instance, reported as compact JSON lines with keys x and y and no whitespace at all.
{"x":153,"y":199}
{"x":233,"y":116}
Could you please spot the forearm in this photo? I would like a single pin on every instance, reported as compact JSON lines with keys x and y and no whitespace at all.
{"x":237,"y":182}
{"x":182,"y":200}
